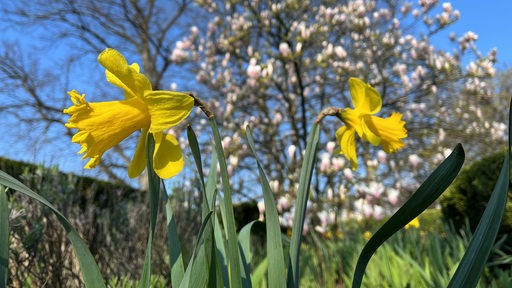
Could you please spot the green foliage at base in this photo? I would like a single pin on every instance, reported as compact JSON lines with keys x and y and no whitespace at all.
{"x":418,"y":257}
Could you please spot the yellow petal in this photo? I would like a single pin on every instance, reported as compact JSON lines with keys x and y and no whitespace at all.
{"x":346,"y":137}
{"x":365,"y":98}
{"x":368,"y":134}
{"x":123,"y":76}
{"x":167,"y":108}
{"x":167,"y":158}
{"x":102,"y":125}
{"x":390,"y":130}
{"x":352,"y":119}
{"x":139,"y":158}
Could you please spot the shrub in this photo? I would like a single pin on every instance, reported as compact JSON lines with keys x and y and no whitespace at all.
{"x":465,"y":200}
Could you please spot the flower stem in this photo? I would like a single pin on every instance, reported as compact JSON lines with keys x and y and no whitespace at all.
{"x":329,"y":111}
{"x":199,"y":103}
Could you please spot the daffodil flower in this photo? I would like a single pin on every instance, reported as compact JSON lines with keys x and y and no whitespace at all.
{"x":386,"y":132}
{"x":102,"y":125}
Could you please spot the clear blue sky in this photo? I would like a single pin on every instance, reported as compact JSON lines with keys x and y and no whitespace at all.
{"x":491,"y":21}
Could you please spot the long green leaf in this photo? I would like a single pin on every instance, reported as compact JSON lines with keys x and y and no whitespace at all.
{"x":154,"y":199}
{"x":233,"y":254}
{"x":201,"y":265}
{"x":276,"y":265}
{"x":306,"y":173}
{"x":474,"y":260}
{"x":196,"y":153}
{"x":426,"y":194}
{"x":4,"y":237}
{"x":90,"y":271}
{"x":244,"y":241}
{"x":173,"y":245}
{"x":221,"y":251}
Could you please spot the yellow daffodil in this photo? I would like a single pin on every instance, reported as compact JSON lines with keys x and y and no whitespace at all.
{"x":102,"y":125}
{"x":415,"y":223}
{"x":386,"y":132}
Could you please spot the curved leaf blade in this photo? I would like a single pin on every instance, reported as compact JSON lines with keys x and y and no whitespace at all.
{"x":426,"y":194}
{"x":474,"y":260}
{"x":90,"y":271}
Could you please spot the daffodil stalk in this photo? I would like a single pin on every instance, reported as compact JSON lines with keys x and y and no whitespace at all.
{"x":387,"y":132}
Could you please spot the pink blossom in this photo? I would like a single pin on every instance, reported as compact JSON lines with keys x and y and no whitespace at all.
{"x":284,"y":49}
{"x":393,"y":196}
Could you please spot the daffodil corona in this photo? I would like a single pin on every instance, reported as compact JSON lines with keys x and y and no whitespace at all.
{"x":102,"y":125}
{"x":386,"y":132}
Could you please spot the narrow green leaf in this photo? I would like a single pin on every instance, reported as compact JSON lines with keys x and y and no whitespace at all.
{"x":244,"y":240}
{"x":474,"y":260}
{"x":220,"y":243}
{"x":276,"y":266}
{"x":306,"y":174}
{"x":426,"y":194}
{"x":201,"y":264}
{"x":154,"y":199}
{"x":194,"y":147}
{"x":4,"y":237}
{"x":258,"y":277}
{"x":90,"y":271}
{"x":211,"y":182}
{"x":173,"y":245}
{"x":233,"y":254}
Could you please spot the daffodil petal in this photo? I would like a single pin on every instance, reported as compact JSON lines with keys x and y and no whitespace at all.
{"x":122,"y":75}
{"x":167,"y":108}
{"x":138,"y":162}
{"x":365,"y":98}
{"x":368,"y":134}
{"x":167,"y":158}
{"x":390,"y":130}
{"x":352,"y":118}
{"x":102,"y":125}
{"x":346,"y":137}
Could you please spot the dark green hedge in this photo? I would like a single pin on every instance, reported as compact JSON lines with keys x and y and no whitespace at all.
{"x":467,"y":197}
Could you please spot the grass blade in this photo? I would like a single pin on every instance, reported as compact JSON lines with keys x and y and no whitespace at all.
{"x":426,"y":194}
{"x":244,"y":241}
{"x":233,"y":254}
{"x":90,"y":271}
{"x":306,"y":173}
{"x":276,"y":266}
{"x":173,"y":245}
{"x":154,"y":199}
{"x":4,"y":237}
{"x":474,"y":260}
{"x":196,"y":153}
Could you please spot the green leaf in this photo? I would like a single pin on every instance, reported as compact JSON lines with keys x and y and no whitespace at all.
{"x":228,"y":217}
{"x":4,"y":237}
{"x":154,"y":199}
{"x":220,"y":243}
{"x":426,"y":194}
{"x":196,"y":153}
{"x":244,"y":241}
{"x":201,"y":264}
{"x":275,"y":255}
{"x":90,"y":271}
{"x":173,"y":245}
{"x":306,"y":173}
{"x":474,"y":260}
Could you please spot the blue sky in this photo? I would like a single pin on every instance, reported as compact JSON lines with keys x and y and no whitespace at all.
{"x":491,"y":21}
{"x":488,"y":21}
